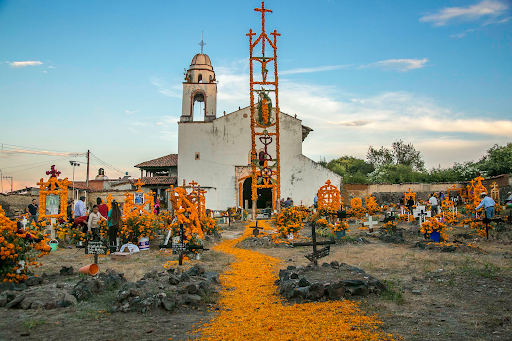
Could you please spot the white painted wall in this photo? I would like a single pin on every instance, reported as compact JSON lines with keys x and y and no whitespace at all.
{"x":226,"y":143}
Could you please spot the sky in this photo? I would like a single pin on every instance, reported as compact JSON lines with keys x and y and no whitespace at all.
{"x":106,"y":76}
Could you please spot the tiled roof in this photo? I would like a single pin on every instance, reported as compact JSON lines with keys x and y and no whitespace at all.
{"x":93,"y":185}
{"x":159,"y":180}
{"x":164,"y":161}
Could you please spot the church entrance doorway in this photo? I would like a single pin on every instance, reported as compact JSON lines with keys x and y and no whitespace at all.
{"x":264,"y":196}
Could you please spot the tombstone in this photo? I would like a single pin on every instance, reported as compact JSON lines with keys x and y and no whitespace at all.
{"x":370,"y":223}
{"x":421,"y":212}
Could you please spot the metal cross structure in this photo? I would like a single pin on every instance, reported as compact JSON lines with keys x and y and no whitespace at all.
{"x":266,"y":168}
{"x":201,"y":43}
{"x":370,"y":223}
{"x":420,"y":212}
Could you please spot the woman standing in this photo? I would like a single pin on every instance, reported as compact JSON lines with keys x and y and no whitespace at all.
{"x":113,"y":223}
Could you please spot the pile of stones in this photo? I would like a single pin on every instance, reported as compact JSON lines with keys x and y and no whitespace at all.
{"x":394,"y":238}
{"x":332,"y":281}
{"x":168,"y":290}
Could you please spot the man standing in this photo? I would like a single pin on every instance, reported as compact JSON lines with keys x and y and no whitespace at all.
{"x":488,"y":204}
{"x":433,"y":203}
{"x":80,"y":207}
{"x":32,"y":212}
{"x":287,"y":203}
{"x":315,"y":201}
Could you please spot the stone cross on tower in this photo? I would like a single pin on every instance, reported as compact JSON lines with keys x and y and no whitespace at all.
{"x":370,"y":223}
{"x":201,"y":43}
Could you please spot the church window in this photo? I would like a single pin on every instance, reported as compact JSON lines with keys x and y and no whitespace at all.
{"x":197,"y":156}
{"x":200,"y":78}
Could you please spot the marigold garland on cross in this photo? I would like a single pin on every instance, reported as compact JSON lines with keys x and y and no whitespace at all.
{"x":264,"y":115}
{"x":329,"y":197}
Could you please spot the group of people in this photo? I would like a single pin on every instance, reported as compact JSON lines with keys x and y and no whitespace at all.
{"x":99,"y":212}
{"x":286,"y":203}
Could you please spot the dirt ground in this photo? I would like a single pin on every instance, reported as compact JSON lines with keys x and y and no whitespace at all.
{"x":457,"y":296}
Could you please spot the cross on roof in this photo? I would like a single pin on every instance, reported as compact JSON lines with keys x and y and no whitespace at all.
{"x":201,"y":43}
{"x":54,"y":173}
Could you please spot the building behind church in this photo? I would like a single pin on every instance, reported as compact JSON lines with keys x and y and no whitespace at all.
{"x":215,"y":151}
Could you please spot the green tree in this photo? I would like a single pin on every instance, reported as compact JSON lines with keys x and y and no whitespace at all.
{"x":497,"y":161}
{"x":353,"y":170}
{"x":399,"y":154}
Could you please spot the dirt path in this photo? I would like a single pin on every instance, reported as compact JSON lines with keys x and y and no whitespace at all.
{"x":251,"y":309}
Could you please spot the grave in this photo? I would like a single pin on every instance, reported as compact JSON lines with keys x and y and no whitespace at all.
{"x":420,"y":212}
{"x":370,"y":223}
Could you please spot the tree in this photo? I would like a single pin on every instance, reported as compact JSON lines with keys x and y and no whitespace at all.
{"x":399,"y":154}
{"x":353,"y":170}
{"x":497,"y":161}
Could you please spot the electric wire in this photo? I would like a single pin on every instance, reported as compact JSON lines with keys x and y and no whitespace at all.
{"x":12,"y":146}
{"x":40,"y":165}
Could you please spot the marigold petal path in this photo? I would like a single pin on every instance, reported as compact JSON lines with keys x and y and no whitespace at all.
{"x":251,"y":308}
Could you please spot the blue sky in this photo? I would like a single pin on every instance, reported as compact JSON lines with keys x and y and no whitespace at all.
{"x":107,"y":76}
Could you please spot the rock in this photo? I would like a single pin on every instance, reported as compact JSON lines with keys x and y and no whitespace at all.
{"x":66,"y":300}
{"x":173,"y":279}
{"x":192,"y":289}
{"x":357,"y":290}
{"x":66,"y":270}
{"x":140,"y":283}
{"x":284,"y":275}
{"x":290,"y":267}
{"x":150,"y":275}
{"x":129,"y":285}
{"x":168,"y":303}
{"x":303,"y":282}
{"x":301,"y":292}
{"x":84,"y":289}
{"x":33,"y":280}
{"x":196,"y":270}
{"x":326,"y":265}
{"x":212,"y":277}
{"x":352,"y":282}
{"x":112,"y":280}
{"x":294,"y":276}
{"x":335,"y":264}
{"x":37,"y":305}
{"x":192,"y":299}
{"x":185,"y":277}
{"x":50,"y":305}
{"x":26,"y":303}
{"x":416,"y":292}
{"x":336,"y":290}
{"x":316,"y":291}
{"x":3,"y":301}
{"x":287,"y":288}
{"x":15,"y":301}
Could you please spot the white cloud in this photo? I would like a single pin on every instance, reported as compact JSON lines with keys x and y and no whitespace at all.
{"x":23,"y":64}
{"x":356,"y":123}
{"x":166,"y":89}
{"x":51,"y":67}
{"x":399,"y":64}
{"x":314,"y":69}
{"x":158,"y":123}
{"x":486,"y":8}
{"x":460,"y":35}
{"x":132,"y":112}
{"x":497,"y":22}
{"x":45,"y":71}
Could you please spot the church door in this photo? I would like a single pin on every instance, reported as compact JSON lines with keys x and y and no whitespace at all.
{"x":264,"y":195}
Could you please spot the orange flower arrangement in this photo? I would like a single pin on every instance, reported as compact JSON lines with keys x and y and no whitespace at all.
{"x":433,"y":225}
{"x":356,"y":209}
{"x":371,"y":205}
{"x":289,"y":221}
{"x":18,"y":246}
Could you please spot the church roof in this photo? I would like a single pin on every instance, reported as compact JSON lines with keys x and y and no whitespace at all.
{"x":201,"y":59}
{"x":159,"y":180}
{"x":170,"y":160}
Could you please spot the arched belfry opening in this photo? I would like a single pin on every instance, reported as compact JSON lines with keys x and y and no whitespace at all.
{"x":199,"y":90}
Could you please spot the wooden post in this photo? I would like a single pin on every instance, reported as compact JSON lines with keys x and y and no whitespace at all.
{"x":180,"y":260}
{"x":254,"y":210}
{"x":313,"y":236}
{"x":95,"y":258}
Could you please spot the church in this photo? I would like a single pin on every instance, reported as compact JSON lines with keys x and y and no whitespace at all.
{"x":215,"y":151}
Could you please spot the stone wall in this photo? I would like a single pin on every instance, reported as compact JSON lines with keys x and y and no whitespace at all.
{"x":15,"y":204}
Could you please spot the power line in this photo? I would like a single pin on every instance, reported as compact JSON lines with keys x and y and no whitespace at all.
{"x":30,"y":164}
{"x":43,"y":164}
{"x":12,"y":146}
{"x":113,"y":168}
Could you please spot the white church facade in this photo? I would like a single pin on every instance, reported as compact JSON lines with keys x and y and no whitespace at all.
{"x":215,"y":151}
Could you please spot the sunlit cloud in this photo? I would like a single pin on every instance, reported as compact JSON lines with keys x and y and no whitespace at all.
{"x":158,"y":123}
{"x":132,"y":112}
{"x":460,"y":35}
{"x":314,"y":69}
{"x":486,"y":8}
{"x":357,"y":123}
{"x":51,"y":67}
{"x":165,"y":88}
{"x":399,"y":64}
{"x":25,"y":63}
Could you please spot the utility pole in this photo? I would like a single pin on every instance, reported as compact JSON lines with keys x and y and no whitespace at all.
{"x":87,"y":179}
{"x":1,"y":180}
{"x":8,"y":177}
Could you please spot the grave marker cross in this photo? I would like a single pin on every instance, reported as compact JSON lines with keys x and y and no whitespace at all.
{"x":370,"y":223}
{"x":420,"y":212}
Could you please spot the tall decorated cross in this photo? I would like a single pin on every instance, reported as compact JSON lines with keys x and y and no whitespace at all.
{"x":265,"y":157}
{"x":420,"y":212}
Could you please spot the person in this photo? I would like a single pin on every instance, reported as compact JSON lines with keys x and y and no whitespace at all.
{"x":113,"y":223}
{"x":156,"y":210}
{"x":441,"y":196}
{"x":102,"y":207}
{"x":315,"y":201}
{"x":32,"y":212}
{"x":69,"y":211}
{"x":410,"y":204}
{"x":287,"y":203}
{"x":93,"y":224}
{"x":433,"y":203}
{"x":80,"y":207}
{"x":488,"y":204}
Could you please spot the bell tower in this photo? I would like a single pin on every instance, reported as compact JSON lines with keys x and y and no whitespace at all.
{"x":199,"y":90}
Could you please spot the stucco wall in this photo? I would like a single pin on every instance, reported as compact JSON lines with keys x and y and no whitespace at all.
{"x":15,"y":204}
{"x":226,"y":143}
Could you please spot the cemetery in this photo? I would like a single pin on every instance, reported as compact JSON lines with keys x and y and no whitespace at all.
{"x":219,"y":254}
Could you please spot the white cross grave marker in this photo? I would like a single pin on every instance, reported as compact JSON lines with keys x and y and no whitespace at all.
{"x":421,"y":212}
{"x":370,"y":223}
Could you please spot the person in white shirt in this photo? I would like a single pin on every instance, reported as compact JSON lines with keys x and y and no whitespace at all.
{"x":93,"y":224}
{"x":80,"y":207}
{"x":433,"y":203}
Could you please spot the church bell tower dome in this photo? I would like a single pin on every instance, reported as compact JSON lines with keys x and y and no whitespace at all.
{"x":201,"y":60}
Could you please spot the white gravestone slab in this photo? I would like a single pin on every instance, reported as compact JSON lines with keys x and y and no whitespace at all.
{"x":370,"y":223}
{"x":421,"y":212}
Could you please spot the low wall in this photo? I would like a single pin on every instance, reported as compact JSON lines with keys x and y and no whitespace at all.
{"x":15,"y":204}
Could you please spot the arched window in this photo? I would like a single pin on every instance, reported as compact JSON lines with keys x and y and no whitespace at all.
{"x":198,"y":103}
{"x":200,"y":78}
